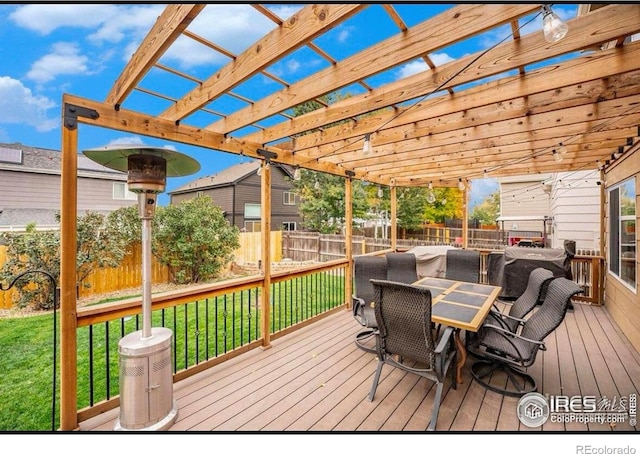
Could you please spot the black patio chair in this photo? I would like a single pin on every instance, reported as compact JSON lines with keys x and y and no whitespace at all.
{"x":512,"y":352}
{"x":463,"y":265}
{"x":366,"y":268}
{"x":403,"y":313}
{"x":401,"y":267}
{"x":513,"y":316}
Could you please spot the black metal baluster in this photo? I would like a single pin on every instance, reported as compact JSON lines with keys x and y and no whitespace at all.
{"x":107,"y":346}
{"x":186,"y":336}
{"x":197,"y":346}
{"x":91,"y":377}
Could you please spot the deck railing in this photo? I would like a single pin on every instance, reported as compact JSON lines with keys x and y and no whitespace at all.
{"x":210,"y":324}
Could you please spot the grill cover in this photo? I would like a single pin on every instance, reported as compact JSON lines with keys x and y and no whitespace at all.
{"x":520,"y":261}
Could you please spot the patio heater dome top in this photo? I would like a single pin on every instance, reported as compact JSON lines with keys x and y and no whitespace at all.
{"x":116,"y":157}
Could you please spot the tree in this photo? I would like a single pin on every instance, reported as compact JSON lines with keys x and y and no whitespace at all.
{"x":447,"y":204}
{"x":100,"y":243}
{"x":194,"y":239}
{"x":487,"y":211}
{"x":322,"y":200}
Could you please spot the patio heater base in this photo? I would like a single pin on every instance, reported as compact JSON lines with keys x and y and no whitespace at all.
{"x":146,"y":382}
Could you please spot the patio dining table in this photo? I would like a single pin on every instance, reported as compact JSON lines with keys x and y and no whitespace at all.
{"x":461,"y":305}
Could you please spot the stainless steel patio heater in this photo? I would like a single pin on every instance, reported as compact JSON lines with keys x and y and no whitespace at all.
{"x":146,"y":379}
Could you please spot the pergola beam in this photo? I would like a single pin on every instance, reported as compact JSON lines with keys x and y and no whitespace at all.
{"x":170,"y":24}
{"x":299,"y":29}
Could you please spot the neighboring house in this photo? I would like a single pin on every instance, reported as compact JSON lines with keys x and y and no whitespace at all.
{"x":30,"y":187}
{"x":525,"y":207}
{"x":237,"y":191}
{"x":575,"y":205}
{"x":561,"y":206}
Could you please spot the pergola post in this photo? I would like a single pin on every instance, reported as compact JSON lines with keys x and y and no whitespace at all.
{"x":348,"y":240}
{"x":394,"y":215}
{"x":465,"y":215}
{"x":68,"y":247}
{"x":265,"y":228}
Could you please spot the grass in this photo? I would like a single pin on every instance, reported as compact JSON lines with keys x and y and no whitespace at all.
{"x":26,"y":343}
{"x":26,"y":382}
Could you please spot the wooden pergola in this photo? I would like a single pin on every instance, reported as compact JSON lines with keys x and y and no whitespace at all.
{"x":504,"y":110}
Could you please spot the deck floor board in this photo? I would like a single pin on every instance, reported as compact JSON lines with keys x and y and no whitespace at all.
{"x":317,"y":380}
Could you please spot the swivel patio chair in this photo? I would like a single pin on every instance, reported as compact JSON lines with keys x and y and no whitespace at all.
{"x":513,"y":317}
{"x":401,"y":267}
{"x":463,"y":265}
{"x":366,"y":268}
{"x":403,"y":313}
{"x":511,"y":353}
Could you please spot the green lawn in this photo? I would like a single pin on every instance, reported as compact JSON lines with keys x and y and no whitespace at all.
{"x":26,"y":344}
{"x":26,"y":379}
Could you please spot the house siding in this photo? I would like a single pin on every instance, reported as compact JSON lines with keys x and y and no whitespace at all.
{"x":523,"y":198}
{"x":622,"y":303}
{"x":247,"y":191}
{"x":575,"y":208}
{"x":34,"y":195}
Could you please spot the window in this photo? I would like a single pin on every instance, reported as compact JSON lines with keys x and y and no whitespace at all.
{"x":288,"y":198}
{"x":288,"y":226}
{"x":252,"y":211}
{"x":622,"y":232}
{"x":252,"y":226}
{"x":121,"y":192}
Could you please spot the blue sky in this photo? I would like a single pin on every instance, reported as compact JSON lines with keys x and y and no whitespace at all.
{"x":50,"y":49}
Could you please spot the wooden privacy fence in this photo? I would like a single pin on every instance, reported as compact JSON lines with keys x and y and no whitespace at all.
{"x":103,"y":280}
{"x":250,"y":250}
{"x":129,"y":274}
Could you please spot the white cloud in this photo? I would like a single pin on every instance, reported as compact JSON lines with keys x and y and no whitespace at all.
{"x":344,"y":33}
{"x":45,"y":18}
{"x":131,"y":140}
{"x":65,"y":58}
{"x":18,"y":105}
{"x":284,"y":11}
{"x":127,"y":22}
{"x":417,"y":66}
{"x":233,"y":27}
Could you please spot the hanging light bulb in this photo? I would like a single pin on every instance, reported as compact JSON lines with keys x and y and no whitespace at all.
{"x":297,"y":174}
{"x":557,"y":156}
{"x":259,"y":172}
{"x":553,"y":27}
{"x":617,"y":154}
{"x":316,"y":186}
{"x":444,"y":201}
{"x":380,"y":193}
{"x":430,"y":185}
{"x":431,"y":197}
{"x":366,"y":147}
{"x":461,"y":185}
{"x":562,"y":149}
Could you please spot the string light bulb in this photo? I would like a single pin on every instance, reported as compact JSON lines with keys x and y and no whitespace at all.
{"x":557,"y":156}
{"x":553,"y":27}
{"x":380,"y":193}
{"x":461,"y":185}
{"x":366,"y":147}
{"x":266,"y":166}
{"x":316,"y":186}
{"x":297,"y":174}
{"x":431,"y":197}
{"x":562,"y":149}
{"x":617,"y":154}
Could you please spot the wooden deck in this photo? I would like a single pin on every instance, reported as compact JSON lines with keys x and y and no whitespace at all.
{"x":317,"y":380}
